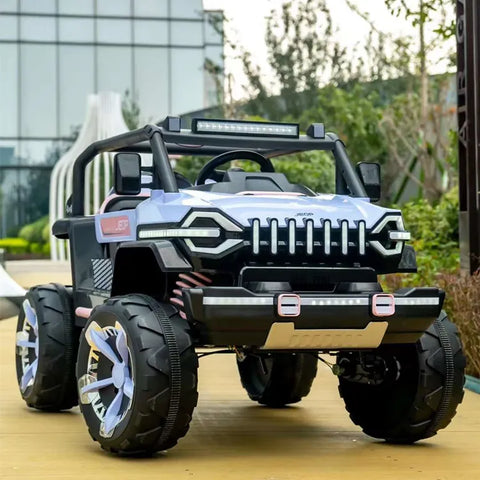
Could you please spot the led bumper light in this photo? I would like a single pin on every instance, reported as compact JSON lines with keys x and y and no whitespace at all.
{"x":256,"y":129}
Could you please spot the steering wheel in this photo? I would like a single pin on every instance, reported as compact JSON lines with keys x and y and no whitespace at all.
{"x":208,"y":170}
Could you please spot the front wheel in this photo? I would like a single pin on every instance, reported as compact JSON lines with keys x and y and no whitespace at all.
{"x":277,"y":379}
{"x":137,"y":375}
{"x":405,"y":393}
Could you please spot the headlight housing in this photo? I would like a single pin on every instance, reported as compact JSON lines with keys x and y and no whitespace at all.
{"x":205,"y":232}
{"x":391,"y":235}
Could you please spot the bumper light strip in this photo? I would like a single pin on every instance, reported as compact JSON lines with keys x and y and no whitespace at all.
{"x":320,"y":302}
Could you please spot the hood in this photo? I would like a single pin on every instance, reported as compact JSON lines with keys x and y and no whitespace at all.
{"x":243,"y":208}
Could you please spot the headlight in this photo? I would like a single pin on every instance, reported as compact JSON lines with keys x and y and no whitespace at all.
{"x":394,"y":235}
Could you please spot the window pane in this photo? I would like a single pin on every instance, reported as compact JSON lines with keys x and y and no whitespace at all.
{"x":8,"y":153}
{"x":76,"y":30}
{"x":114,"y":31}
{"x":186,"y":9}
{"x":8,"y":27}
{"x":38,"y":152}
{"x":34,"y":184}
{"x":187,"y":80}
{"x":9,"y":180}
{"x":117,"y":7}
{"x":76,"y":65}
{"x":215,"y":55}
{"x":8,"y":90}
{"x":152,"y":89}
{"x":114,"y":69}
{"x":37,"y":6}
{"x":187,"y":33}
{"x":8,"y":6}
{"x":151,"y":8}
{"x":151,"y":32}
{"x":76,"y":7}
{"x":37,"y":28}
{"x":38,"y":92}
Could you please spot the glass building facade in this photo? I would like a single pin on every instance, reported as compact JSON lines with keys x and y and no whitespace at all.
{"x":53,"y":53}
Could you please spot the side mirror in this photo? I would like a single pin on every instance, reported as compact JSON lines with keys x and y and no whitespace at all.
{"x":127,"y":174}
{"x":369,"y":174}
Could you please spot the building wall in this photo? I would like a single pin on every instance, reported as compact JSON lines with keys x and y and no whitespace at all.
{"x":53,"y":53}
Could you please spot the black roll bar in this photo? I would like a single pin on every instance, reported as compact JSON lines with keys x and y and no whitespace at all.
{"x":162,"y":167}
{"x":160,"y":142}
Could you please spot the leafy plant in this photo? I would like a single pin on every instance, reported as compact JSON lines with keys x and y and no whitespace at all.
{"x":14,"y":245}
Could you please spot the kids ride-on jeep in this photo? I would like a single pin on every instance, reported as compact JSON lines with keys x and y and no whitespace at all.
{"x":243,"y":261}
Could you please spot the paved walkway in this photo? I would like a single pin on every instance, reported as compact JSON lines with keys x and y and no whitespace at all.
{"x":230,"y":437}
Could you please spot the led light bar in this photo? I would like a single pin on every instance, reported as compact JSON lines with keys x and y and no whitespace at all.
{"x":236,"y":127}
{"x":179,"y":233}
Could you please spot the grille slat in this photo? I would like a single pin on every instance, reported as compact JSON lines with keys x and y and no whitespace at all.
{"x":344,"y":237}
{"x":306,"y":239}
{"x":292,"y":242}
{"x":327,"y":237}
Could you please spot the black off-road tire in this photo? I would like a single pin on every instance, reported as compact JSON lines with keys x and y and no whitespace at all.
{"x":54,"y":386}
{"x":277,"y":379}
{"x":424,"y":397}
{"x":164,"y":371}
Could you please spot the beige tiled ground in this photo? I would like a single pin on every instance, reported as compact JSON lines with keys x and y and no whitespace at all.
{"x":230,"y":437}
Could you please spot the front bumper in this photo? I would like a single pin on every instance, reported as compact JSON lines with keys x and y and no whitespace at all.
{"x":224,"y":316}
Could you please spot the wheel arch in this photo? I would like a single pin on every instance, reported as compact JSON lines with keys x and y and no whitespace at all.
{"x":150,"y":268}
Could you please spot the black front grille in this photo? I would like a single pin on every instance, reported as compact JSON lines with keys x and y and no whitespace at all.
{"x":307,"y":239}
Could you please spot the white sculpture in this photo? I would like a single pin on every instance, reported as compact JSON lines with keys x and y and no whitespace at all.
{"x":103,"y":119}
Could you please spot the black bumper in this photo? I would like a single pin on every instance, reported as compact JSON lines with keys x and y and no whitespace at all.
{"x":224,"y":316}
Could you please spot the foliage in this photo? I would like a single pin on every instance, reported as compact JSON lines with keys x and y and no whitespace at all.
{"x":313,"y":169}
{"x":131,"y":110}
{"x":14,"y":245}
{"x":434,"y":230}
{"x":354,"y":117}
{"x":34,"y":232}
{"x":302,"y":55}
{"x":384,"y":102}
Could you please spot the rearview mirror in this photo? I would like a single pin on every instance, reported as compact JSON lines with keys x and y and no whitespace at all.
{"x":127,"y":174}
{"x":369,"y":174}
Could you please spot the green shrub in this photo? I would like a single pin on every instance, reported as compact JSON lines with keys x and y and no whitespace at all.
{"x":14,"y":245}
{"x":33,"y":232}
{"x":46,"y":233}
{"x":434,"y":232}
{"x":46,"y":249}
{"x":36,"y":247}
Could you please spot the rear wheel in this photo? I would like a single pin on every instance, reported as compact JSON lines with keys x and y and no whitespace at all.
{"x":46,"y":348}
{"x":277,"y":379}
{"x":137,"y":375}
{"x":404,"y":393}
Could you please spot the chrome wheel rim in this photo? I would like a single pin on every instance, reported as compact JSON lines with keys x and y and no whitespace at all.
{"x":27,"y":344}
{"x":108,"y":384}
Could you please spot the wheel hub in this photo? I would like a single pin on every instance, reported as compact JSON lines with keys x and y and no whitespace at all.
{"x":119,"y":373}
{"x":90,"y":384}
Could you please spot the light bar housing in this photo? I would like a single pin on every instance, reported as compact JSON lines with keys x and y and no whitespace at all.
{"x":245,"y":128}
